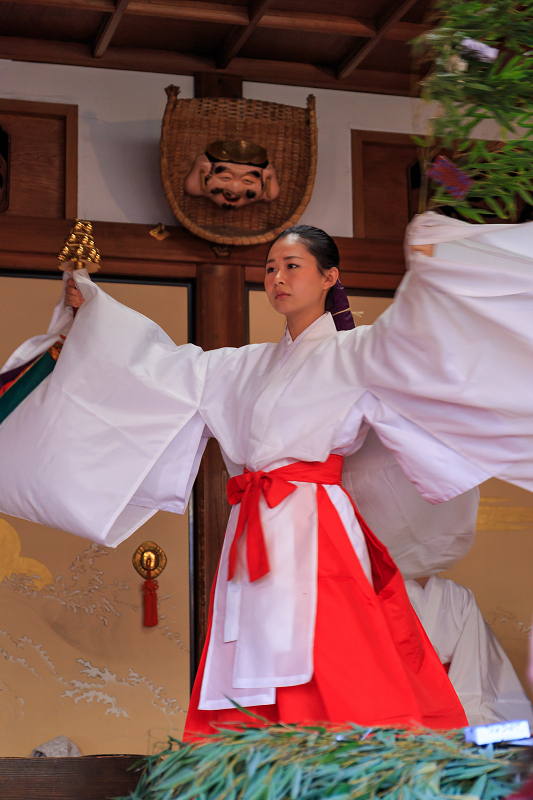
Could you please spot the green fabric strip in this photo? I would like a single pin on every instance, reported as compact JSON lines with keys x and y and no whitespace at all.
{"x":26,"y":384}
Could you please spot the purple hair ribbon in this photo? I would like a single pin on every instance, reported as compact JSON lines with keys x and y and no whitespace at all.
{"x":338,"y":306}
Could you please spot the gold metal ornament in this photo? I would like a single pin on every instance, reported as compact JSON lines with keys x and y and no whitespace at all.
{"x":79,"y":250}
{"x":159,"y":232}
{"x":149,"y":556}
{"x":239,"y":151}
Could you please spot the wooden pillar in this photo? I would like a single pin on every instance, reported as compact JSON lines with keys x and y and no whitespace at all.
{"x":220,"y":305}
{"x":220,"y":322}
{"x":211,"y":84}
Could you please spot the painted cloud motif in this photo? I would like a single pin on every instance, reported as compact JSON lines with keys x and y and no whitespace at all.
{"x":74,"y":656}
{"x":12,"y":563}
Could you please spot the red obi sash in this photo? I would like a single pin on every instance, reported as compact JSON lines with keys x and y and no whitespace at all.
{"x":275,"y":486}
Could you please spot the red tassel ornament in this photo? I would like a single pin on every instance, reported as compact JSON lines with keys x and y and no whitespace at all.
{"x":149,"y":561}
{"x":150,"y":588}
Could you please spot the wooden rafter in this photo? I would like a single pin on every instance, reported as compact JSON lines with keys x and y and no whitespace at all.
{"x":390,"y":15}
{"x":239,"y":36}
{"x":103,"y":40}
{"x":168,"y":62}
{"x":277,"y":19}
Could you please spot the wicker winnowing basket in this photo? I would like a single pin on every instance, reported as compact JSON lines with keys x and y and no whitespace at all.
{"x":289,"y":135}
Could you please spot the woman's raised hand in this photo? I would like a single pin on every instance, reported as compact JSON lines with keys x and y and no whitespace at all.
{"x":427,"y":249}
{"x":73,"y":296}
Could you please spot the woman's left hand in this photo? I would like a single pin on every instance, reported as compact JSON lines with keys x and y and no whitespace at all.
{"x":427,"y":249}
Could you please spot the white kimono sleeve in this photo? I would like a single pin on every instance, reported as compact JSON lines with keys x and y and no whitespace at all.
{"x":134,"y":397}
{"x":422,"y":538}
{"x":453,"y":353}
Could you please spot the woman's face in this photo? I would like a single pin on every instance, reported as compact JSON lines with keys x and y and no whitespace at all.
{"x":293,"y":282}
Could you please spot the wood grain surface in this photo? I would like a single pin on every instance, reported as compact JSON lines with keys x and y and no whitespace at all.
{"x":43,"y":158}
{"x":82,"y":778}
{"x":31,"y":244}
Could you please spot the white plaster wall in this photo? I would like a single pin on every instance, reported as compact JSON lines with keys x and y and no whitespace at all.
{"x":120,"y":116}
{"x":337,"y":114}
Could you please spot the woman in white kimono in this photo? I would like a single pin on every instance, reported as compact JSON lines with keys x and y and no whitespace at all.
{"x":352,"y":649}
{"x":310,"y":620}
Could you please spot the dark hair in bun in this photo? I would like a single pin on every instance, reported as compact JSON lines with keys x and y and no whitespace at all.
{"x":317,"y":242}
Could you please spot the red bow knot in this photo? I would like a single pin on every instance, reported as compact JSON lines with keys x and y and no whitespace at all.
{"x":247,"y":489}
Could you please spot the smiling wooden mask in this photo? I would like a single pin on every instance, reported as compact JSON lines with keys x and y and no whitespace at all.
{"x":233,"y":173}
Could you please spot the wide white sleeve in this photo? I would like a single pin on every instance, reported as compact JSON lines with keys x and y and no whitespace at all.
{"x":421,"y":537}
{"x":86,"y":451}
{"x":453,"y":353}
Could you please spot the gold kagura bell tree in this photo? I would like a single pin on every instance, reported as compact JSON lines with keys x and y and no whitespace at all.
{"x":79,"y":250}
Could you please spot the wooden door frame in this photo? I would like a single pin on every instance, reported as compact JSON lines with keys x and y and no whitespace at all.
{"x":68,"y":113}
{"x":358,"y":139}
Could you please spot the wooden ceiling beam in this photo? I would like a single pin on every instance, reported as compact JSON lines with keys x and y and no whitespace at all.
{"x":74,"y":5}
{"x":196,"y":10}
{"x":238,"y":37}
{"x":168,"y":62}
{"x":317,"y":23}
{"x":390,"y":15}
{"x":31,"y":243}
{"x":103,"y":40}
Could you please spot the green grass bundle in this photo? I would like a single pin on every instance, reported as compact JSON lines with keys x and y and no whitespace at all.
{"x":288,"y":762}
{"x":481,"y":56}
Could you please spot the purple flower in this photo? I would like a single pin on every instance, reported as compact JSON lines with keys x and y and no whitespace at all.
{"x":479,"y":51}
{"x":448,"y":174}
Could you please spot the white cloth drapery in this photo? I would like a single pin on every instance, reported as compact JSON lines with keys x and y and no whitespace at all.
{"x":422,"y":538}
{"x":480,"y":671}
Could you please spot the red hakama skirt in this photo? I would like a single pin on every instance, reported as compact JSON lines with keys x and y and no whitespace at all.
{"x":373,"y":662}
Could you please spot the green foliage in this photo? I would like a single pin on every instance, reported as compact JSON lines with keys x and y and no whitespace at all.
{"x":469,"y":91}
{"x":288,"y":762}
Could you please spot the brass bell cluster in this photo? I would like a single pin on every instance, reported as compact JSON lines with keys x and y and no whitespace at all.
{"x":79,"y":249}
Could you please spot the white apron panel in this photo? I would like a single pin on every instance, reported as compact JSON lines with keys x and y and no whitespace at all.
{"x":265,"y":629}
{"x":217,"y":684}
{"x":351,"y":525}
{"x":277,"y":613}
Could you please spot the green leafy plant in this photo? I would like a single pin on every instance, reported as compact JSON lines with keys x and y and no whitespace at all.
{"x":289,"y":762}
{"x":468,"y":91}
